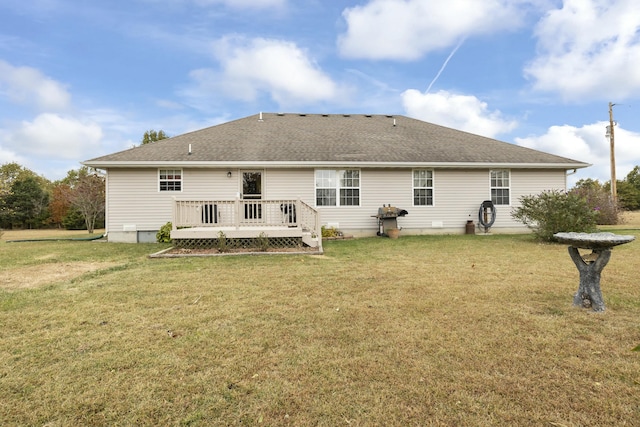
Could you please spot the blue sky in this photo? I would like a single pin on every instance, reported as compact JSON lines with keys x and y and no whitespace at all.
{"x":83,"y":79}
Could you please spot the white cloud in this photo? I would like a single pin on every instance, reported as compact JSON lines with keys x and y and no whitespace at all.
{"x":408,"y":29}
{"x":28,"y":86}
{"x":7,"y":156}
{"x":589,"y":144}
{"x":52,"y":136}
{"x":589,"y":48}
{"x":462,"y":112}
{"x":251,"y":67}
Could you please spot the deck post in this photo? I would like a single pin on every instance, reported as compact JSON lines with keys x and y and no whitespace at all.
{"x":298,"y":212}
{"x":236,"y":220}
{"x":318,"y":230}
{"x":174,"y":210}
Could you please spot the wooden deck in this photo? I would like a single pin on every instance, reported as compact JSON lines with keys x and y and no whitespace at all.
{"x":246,"y":219}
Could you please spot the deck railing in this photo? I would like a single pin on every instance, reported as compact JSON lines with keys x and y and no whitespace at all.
{"x":245,"y":213}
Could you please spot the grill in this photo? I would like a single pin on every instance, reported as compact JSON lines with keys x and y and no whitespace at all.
{"x":388,"y":218}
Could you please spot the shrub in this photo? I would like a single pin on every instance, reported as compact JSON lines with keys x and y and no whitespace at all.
{"x":223,"y":245}
{"x":262,"y":242}
{"x":598,"y":198}
{"x":164,"y":235}
{"x":330,"y":232}
{"x":554,"y":211}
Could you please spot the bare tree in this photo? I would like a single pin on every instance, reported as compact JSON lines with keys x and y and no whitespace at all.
{"x":88,"y":197}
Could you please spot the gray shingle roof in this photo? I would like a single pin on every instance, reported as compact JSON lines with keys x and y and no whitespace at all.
{"x":331,"y":139}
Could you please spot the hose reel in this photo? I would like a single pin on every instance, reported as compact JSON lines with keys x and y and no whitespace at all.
{"x":487,"y":215}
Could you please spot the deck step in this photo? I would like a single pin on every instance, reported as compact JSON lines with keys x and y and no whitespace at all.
{"x":309,"y":240}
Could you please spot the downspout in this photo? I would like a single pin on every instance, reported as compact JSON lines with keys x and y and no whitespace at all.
{"x":568,"y":174}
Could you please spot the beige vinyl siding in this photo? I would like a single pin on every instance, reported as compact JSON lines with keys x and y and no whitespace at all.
{"x":527,"y":182}
{"x":290,"y":184}
{"x":134,"y":198}
{"x":458,"y":194}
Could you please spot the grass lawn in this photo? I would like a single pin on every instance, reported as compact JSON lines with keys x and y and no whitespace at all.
{"x":423,"y":330}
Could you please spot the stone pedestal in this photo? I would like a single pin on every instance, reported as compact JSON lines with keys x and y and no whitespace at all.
{"x":590,"y":266}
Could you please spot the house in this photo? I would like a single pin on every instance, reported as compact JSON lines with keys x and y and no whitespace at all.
{"x":288,"y":174}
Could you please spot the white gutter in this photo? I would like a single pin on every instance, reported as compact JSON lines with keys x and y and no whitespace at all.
{"x":321,"y":164}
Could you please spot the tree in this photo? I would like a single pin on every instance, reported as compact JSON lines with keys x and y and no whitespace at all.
{"x":10,"y":173}
{"x":153,"y":136}
{"x":598,"y":198}
{"x":628,"y":196}
{"x":633,"y":177}
{"x":629,"y":190}
{"x":60,"y":203}
{"x":25,"y":205}
{"x":554,"y":211}
{"x":88,"y":197}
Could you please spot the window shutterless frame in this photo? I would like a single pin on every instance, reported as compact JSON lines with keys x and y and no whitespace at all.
{"x":170,"y":180}
{"x":500,"y":186}
{"x":422,"y":186}
{"x":337,"y":187}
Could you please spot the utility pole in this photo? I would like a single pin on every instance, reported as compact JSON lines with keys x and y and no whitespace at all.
{"x":610,"y":134}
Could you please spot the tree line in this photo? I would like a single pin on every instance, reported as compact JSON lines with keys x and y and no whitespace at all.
{"x":28,"y":200}
{"x":76,"y":202}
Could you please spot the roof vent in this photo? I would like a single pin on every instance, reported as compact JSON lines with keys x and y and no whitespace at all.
{"x":302,"y":115}
{"x":325,"y":115}
{"x":260,"y":119}
{"x":367,"y":115}
{"x":281,"y":114}
{"x":346,"y":115}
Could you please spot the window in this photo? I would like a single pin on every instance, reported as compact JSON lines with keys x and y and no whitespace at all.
{"x":170,"y":179}
{"x":500,"y":187}
{"x":350,"y":188}
{"x":337,"y":187}
{"x":422,"y":187}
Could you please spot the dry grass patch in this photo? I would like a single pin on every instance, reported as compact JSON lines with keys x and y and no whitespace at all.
{"x":46,"y":234}
{"x":44,"y":274}
{"x":431,"y":330}
{"x":631,"y":218}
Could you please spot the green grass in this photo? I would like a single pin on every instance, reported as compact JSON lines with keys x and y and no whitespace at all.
{"x":423,"y":330}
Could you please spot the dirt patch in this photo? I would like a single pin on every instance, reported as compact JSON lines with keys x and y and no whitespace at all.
{"x":39,"y":275}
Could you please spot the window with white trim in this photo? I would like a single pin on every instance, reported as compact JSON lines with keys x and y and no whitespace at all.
{"x":170,"y":179}
{"x":500,"y":187}
{"x":422,"y":187}
{"x":337,"y":187}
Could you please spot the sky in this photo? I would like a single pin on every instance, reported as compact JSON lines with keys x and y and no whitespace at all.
{"x":82,"y":79}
